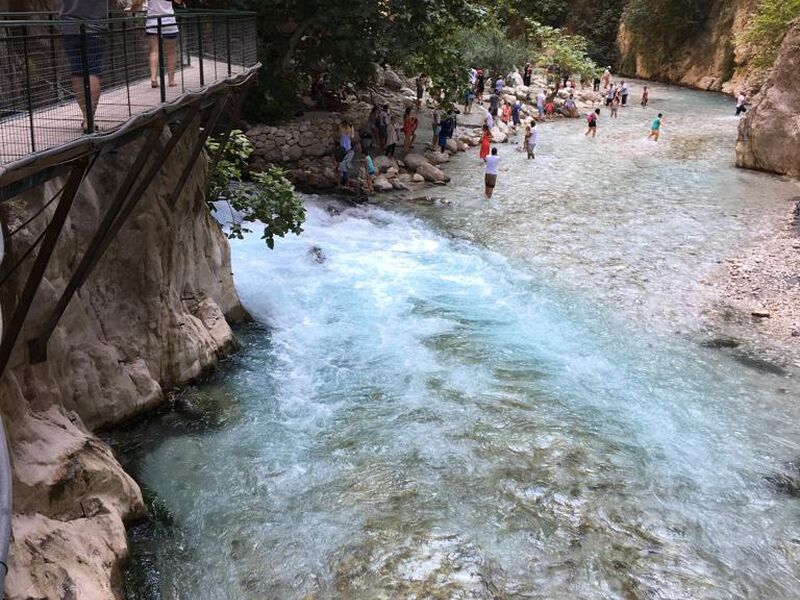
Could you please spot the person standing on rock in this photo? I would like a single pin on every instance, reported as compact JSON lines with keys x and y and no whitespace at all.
{"x":437,"y":126}
{"x":494,"y":102}
{"x":540,"y":100}
{"x":480,"y":86}
{"x":346,"y":146}
{"x":527,"y":73}
{"x":486,"y":142}
{"x":383,"y":124}
{"x":645,"y":97}
{"x":606,"y":78}
{"x":489,"y":120}
{"x":596,"y":83}
{"x":741,"y":104}
{"x":420,"y":84}
{"x":492,"y":167}
{"x":469,"y":99}
{"x":392,"y":138}
{"x":499,"y":86}
{"x":515,"y":118}
{"x":446,"y":131}
{"x":571,"y":107}
{"x":592,"y":118}
{"x":371,"y":173}
{"x":410,"y":124}
{"x":655,"y":130}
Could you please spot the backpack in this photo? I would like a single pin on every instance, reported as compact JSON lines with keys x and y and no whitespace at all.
{"x":590,"y":117}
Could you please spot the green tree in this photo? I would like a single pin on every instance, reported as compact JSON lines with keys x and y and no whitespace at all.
{"x":264,"y":197}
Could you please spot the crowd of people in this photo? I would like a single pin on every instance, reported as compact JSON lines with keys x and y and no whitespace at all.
{"x":385,"y":131}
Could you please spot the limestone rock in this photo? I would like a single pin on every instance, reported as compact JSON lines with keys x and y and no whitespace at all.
{"x":769,"y":134}
{"x":152,"y":315}
{"x":392,"y":80}
{"x":452,"y":146}
{"x":499,"y":136}
{"x":413,"y":161}
{"x":384,"y":163}
{"x":417,"y":178}
{"x":437,"y":158}
{"x":382,"y":184}
{"x":432,"y":174}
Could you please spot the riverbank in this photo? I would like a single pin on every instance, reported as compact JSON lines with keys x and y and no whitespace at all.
{"x":759,"y":295}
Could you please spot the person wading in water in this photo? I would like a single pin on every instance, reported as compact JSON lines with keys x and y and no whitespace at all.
{"x":492,"y":165}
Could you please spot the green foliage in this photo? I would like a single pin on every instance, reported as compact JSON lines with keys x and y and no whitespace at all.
{"x":666,"y":23}
{"x":769,"y":27}
{"x":567,"y":53}
{"x":267,"y":197}
{"x":490,"y":48}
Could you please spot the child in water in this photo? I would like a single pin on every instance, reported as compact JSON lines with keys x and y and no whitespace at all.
{"x":655,"y":130}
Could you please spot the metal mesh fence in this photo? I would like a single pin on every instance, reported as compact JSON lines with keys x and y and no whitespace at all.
{"x":60,"y":80}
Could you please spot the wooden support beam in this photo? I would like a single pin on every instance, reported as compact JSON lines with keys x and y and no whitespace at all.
{"x":39,"y":267}
{"x":37,"y":347}
{"x":198,"y":148}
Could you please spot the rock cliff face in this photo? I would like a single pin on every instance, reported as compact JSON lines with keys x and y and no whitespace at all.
{"x":152,"y":315}
{"x":769,"y":135}
{"x":711,"y":59}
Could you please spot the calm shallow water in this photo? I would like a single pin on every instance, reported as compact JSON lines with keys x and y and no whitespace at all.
{"x":490,"y":400}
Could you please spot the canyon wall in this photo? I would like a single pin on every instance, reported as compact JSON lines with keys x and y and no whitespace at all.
{"x":151,"y":316}
{"x":711,"y":58}
{"x":769,"y":135}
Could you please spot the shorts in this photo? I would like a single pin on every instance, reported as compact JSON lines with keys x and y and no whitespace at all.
{"x":593,"y":125}
{"x":383,"y":130}
{"x":516,"y":120}
{"x":95,"y":53}
{"x":491,"y":180}
{"x":164,"y":36}
{"x":608,"y":101}
{"x":436,"y":129}
{"x":419,"y":94}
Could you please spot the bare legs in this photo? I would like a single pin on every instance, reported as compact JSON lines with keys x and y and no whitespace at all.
{"x":80,"y":95}
{"x":170,"y":60}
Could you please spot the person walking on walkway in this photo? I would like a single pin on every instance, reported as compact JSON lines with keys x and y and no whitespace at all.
{"x":161,"y":12}
{"x":91,"y":15}
{"x":655,"y":130}
{"x":492,"y":166}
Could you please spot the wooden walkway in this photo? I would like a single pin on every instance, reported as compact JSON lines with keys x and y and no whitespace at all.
{"x":61,"y":123}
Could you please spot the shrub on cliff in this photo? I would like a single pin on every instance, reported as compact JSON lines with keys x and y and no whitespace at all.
{"x":666,"y":23}
{"x":266,"y":197}
{"x":769,"y":27}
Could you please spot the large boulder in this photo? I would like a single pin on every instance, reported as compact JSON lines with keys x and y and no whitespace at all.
{"x":452,"y":146}
{"x":392,"y":80}
{"x":437,"y":158}
{"x":515,"y":79}
{"x":382,"y":184}
{"x":769,"y":134}
{"x":432,"y":174}
{"x":384,"y":163}
{"x":499,"y":136}
{"x":414,"y":160}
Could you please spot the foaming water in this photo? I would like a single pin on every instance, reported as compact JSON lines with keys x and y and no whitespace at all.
{"x":463,"y":404}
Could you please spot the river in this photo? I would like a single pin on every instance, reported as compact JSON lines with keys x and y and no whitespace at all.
{"x":506,"y":399}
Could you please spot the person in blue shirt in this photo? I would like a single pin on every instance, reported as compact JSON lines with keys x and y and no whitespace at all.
{"x":655,"y":130}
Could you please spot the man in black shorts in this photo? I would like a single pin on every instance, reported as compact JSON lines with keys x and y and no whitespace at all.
{"x":85,"y":53}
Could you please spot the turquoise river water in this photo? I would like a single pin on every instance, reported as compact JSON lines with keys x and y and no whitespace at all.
{"x":462,"y":399}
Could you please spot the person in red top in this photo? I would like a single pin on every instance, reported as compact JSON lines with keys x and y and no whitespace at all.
{"x":486,"y":142}
{"x":410,"y":123}
{"x":506,"y":116}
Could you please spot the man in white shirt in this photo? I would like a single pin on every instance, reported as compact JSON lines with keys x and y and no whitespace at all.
{"x":540,"y":100}
{"x":492,"y":166}
{"x":741,"y":102}
{"x":489,"y":119}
